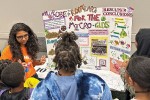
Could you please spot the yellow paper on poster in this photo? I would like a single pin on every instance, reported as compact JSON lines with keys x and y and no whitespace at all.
{"x":99,"y":46}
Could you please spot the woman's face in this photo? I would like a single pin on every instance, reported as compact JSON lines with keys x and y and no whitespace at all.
{"x":22,"y":37}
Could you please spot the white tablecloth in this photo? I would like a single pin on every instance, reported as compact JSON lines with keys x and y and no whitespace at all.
{"x":113,"y":80}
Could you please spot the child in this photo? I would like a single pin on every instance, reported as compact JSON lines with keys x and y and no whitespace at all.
{"x":3,"y":64}
{"x":142,"y":43}
{"x":68,"y":83}
{"x":29,"y":83}
{"x":138,"y":76}
{"x":13,"y":77}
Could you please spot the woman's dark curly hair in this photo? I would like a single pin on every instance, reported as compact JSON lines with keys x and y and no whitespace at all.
{"x":67,"y":53}
{"x":31,"y":45}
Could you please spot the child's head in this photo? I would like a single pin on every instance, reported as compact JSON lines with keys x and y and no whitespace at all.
{"x":4,"y":64}
{"x":67,"y":54}
{"x":13,"y":75}
{"x":138,"y":72}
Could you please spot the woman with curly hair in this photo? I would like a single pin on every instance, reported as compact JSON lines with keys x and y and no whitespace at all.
{"x":23,"y":47}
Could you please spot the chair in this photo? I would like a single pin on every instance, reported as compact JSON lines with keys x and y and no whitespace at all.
{"x":42,"y":47}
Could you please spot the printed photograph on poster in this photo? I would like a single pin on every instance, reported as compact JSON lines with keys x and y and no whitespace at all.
{"x":50,"y":35}
{"x":99,"y":46}
{"x":62,"y":29}
{"x":57,"y":34}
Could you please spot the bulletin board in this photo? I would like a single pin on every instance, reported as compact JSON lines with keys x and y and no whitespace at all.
{"x":104,"y":34}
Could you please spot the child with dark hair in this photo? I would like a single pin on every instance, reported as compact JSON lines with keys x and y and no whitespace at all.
{"x":142,"y":43}
{"x":23,"y":47}
{"x":13,"y":77}
{"x":3,"y":65}
{"x":68,"y":83}
{"x":138,"y":76}
{"x":29,"y":83}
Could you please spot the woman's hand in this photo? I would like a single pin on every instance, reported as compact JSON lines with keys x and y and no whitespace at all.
{"x":39,"y":62}
{"x":43,"y":59}
{"x":24,"y":64}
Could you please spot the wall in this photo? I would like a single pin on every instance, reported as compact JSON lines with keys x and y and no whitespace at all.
{"x":29,"y":12}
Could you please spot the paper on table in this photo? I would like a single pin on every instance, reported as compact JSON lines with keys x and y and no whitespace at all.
{"x":42,"y":70}
{"x":113,"y":80}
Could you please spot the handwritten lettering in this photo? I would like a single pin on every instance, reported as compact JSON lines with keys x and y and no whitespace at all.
{"x":55,"y":14}
{"x":93,"y":17}
{"x":114,"y":10}
{"x":81,"y":25}
{"x":83,"y":8}
{"x":102,"y":24}
{"x":117,"y":14}
{"x":77,"y":10}
{"x":78,"y":18}
{"x":90,"y":9}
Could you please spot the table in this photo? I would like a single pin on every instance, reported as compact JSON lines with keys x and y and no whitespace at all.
{"x":113,"y":80}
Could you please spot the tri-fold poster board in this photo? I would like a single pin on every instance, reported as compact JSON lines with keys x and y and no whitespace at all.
{"x":104,"y":37}
{"x":104,"y":34}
